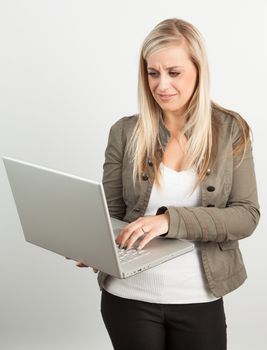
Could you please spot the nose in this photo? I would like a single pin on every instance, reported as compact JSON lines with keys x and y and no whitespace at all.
{"x":163,"y":83}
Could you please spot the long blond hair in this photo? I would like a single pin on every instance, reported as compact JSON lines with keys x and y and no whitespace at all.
{"x":198,"y":128}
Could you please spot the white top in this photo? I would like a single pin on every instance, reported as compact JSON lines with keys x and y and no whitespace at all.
{"x":180,"y":280}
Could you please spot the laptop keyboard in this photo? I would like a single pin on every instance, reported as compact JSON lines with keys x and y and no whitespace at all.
{"x":130,"y":255}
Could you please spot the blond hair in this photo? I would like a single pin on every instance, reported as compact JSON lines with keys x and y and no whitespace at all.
{"x":198,"y":127}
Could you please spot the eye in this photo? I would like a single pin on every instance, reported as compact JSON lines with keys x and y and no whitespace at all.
{"x":174,"y":74}
{"x":152,"y":74}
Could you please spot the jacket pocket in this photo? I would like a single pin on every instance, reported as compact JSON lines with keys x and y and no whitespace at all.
{"x":228,"y":245}
{"x":224,"y":261}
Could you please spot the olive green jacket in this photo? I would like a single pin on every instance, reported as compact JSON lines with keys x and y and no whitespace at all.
{"x":229,"y":209}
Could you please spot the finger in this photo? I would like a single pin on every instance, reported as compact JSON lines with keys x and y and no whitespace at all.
{"x":123,"y":237}
{"x":147,"y":238}
{"x":81,"y":264}
{"x":128,"y":228}
{"x":134,"y":237}
{"x":127,"y":232}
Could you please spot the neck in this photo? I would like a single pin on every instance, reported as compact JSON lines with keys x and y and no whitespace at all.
{"x":174,"y":122}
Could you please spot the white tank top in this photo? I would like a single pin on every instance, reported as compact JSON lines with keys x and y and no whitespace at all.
{"x":180,"y":280}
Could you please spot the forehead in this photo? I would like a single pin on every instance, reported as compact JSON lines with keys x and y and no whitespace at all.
{"x":175,"y":55}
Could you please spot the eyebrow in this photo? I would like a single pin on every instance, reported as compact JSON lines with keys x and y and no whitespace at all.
{"x":166,"y":68}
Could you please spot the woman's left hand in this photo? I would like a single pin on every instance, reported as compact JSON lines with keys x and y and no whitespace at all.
{"x":148,"y":226}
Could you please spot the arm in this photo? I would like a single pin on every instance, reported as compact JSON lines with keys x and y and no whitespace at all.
{"x":236,"y":221}
{"x":112,"y":173}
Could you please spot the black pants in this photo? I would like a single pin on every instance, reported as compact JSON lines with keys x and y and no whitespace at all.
{"x":133,"y":324}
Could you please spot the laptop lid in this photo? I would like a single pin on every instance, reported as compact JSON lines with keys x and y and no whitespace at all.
{"x":63,"y":213}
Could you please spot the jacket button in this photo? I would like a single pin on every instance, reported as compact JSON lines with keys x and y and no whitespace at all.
{"x":137,"y":209}
{"x":144,"y":177}
{"x":211,"y":188}
{"x":210,"y":205}
{"x":150,"y":163}
{"x":208,"y":172}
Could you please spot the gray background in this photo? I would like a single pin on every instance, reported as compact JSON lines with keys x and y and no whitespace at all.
{"x":68,"y":70}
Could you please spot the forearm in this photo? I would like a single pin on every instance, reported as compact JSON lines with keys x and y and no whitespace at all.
{"x":212,"y":224}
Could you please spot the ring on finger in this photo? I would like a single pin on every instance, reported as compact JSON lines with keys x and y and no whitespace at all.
{"x":143,"y":230}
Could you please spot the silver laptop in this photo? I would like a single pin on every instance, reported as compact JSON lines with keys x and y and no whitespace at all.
{"x":68,"y":215}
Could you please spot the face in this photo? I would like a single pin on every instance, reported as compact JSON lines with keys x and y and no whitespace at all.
{"x":171,"y":78}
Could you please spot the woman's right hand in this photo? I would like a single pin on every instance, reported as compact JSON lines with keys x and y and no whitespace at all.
{"x":81,"y":264}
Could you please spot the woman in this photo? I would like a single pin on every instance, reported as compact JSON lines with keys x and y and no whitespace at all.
{"x":182,"y":168}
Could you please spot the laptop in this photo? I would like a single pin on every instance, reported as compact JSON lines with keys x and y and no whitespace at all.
{"x":68,"y":215}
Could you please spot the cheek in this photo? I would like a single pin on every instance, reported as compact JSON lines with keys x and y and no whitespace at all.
{"x":189,"y":84}
{"x":192,"y":79}
{"x":151,"y":84}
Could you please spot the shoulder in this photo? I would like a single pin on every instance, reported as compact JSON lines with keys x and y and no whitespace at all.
{"x":228,"y":120}
{"x":223,"y":115}
{"x":124,"y":126}
{"x":125,"y":122}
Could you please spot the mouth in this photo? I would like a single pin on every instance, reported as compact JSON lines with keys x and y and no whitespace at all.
{"x":166,"y":97}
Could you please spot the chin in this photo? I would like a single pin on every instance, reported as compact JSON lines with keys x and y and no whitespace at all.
{"x":175,"y":111}
{"x":170,"y":108}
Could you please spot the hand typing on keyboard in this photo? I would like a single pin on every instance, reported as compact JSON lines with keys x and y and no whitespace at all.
{"x":143,"y":229}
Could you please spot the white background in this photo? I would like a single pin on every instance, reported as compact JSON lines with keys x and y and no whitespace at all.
{"x":68,"y":70}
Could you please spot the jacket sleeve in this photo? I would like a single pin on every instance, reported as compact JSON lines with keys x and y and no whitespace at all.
{"x":112,"y":172}
{"x":236,"y":221}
